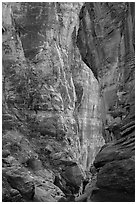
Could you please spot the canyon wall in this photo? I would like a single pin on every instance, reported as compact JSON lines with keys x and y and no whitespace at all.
{"x":106,"y":40}
{"x":68,"y":101}
{"x":52,"y":126}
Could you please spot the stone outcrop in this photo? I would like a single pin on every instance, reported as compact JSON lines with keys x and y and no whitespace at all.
{"x":24,"y":173}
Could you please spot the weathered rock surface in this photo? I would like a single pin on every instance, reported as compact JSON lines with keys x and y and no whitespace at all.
{"x":116,"y":170}
{"x":106,"y":43}
{"x":21,"y":183}
{"x":121,"y":149}
{"x":120,"y":176}
{"x":8,"y":193}
{"x":24,"y":172}
{"x":68,"y":79}
{"x":105,"y":27}
{"x":46,"y":100}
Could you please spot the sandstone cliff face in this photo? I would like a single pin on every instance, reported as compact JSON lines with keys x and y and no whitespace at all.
{"x":56,"y":106}
{"x":106,"y":43}
{"x":102,"y":40}
{"x":68,"y":88}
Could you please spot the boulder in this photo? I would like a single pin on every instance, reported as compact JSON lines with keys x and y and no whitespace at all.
{"x":34,"y":164}
{"x":73,"y":177}
{"x":42,"y":196}
{"x":47,"y":192}
{"x":22,"y":183}
{"x":5,"y":153}
{"x":8,"y":193}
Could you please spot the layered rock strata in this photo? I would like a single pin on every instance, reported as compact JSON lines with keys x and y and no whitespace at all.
{"x":68,"y":79}
{"x":106,"y":40}
{"x":50,"y":99}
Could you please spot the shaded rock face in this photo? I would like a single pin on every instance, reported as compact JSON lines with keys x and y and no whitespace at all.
{"x":106,"y":42}
{"x":102,"y":40}
{"x":51,"y":103}
{"x":68,"y":79}
{"x":115,"y":164}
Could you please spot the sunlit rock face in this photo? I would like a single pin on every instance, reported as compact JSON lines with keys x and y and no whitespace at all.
{"x":88,"y":114}
{"x":48,"y":33}
{"x":67,"y":133}
{"x":106,"y":40}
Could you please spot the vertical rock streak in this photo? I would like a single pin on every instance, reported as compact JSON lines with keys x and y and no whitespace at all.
{"x":61,"y":108}
{"x":106,"y":43}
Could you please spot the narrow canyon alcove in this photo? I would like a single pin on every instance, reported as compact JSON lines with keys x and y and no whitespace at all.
{"x":68,"y":101}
